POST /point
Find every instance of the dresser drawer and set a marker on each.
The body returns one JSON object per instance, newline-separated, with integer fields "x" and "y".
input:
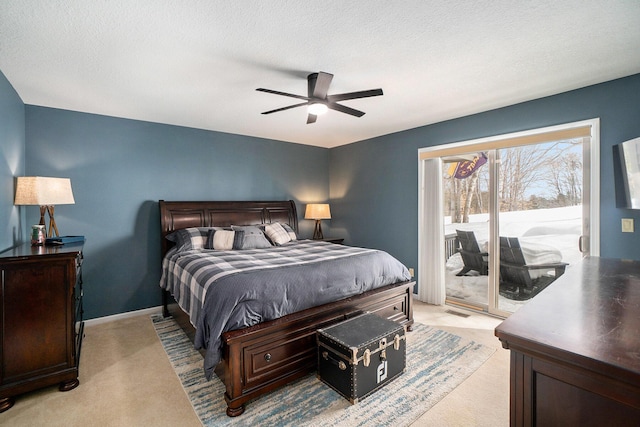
{"x": 279, "y": 358}
{"x": 395, "y": 308}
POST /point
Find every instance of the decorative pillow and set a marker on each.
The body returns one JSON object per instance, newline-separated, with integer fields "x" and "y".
{"x": 253, "y": 237}
{"x": 276, "y": 233}
{"x": 190, "y": 238}
{"x": 224, "y": 240}
{"x": 289, "y": 230}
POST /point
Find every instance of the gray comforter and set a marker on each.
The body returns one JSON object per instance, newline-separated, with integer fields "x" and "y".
{"x": 228, "y": 290}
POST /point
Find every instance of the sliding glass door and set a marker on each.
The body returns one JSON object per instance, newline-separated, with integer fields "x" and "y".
{"x": 515, "y": 212}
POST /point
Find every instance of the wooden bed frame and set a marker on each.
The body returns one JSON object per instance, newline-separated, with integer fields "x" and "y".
{"x": 260, "y": 358}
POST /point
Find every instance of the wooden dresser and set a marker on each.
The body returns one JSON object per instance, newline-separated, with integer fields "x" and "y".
{"x": 41, "y": 319}
{"x": 575, "y": 349}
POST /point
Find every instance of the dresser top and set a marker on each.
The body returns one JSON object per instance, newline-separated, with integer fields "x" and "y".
{"x": 590, "y": 316}
{"x": 27, "y": 250}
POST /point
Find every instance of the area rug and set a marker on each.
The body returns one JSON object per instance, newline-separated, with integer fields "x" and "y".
{"x": 437, "y": 362}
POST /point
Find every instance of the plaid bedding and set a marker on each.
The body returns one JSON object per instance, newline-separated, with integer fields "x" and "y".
{"x": 227, "y": 290}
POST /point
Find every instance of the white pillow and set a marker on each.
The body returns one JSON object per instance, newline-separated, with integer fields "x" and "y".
{"x": 276, "y": 233}
{"x": 223, "y": 240}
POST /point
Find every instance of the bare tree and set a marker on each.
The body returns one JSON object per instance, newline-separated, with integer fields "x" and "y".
{"x": 522, "y": 167}
{"x": 470, "y": 191}
{"x": 565, "y": 177}
{"x": 463, "y": 196}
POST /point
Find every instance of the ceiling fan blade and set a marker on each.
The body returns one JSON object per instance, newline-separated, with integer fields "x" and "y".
{"x": 275, "y": 92}
{"x": 286, "y": 108}
{"x": 346, "y": 110}
{"x": 321, "y": 85}
{"x": 317, "y": 89}
{"x": 354, "y": 95}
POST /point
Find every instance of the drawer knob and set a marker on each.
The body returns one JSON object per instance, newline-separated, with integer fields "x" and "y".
{"x": 267, "y": 357}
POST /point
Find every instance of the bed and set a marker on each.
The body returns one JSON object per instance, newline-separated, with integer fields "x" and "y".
{"x": 260, "y": 357}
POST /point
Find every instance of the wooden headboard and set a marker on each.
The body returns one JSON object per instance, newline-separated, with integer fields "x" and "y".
{"x": 177, "y": 215}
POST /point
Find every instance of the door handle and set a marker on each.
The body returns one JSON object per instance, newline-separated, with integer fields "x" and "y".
{"x": 583, "y": 244}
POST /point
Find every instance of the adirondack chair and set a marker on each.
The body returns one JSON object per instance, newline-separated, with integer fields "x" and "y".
{"x": 471, "y": 256}
{"x": 515, "y": 274}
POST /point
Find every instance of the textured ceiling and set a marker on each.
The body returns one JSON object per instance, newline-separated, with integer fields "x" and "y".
{"x": 198, "y": 63}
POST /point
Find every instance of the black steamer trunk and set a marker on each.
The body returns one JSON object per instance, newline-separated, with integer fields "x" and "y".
{"x": 360, "y": 355}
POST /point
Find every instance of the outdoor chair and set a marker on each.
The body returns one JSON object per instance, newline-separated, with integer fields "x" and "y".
{"x": 471, "y": 256}
{"x": 515, "y": 274}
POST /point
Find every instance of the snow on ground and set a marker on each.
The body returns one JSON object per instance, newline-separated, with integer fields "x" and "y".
{"x": 546, "y": 235}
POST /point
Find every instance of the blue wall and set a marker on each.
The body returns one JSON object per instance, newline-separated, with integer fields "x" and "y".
{"x": 374, "y": 183}
{"x": 120, "y": 168}
{"x": 12, "y": 148}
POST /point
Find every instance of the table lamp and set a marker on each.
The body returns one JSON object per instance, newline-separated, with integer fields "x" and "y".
{"x": 45, "y": 192}
{"x": 317, "y": 211}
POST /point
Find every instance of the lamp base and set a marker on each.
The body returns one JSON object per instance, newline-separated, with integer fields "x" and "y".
{"x": 53, "y": 228}
{"x": 317, "y": 232}
{"x": 52, "y": 222}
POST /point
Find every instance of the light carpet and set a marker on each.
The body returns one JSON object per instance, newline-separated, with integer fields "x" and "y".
{"x": 437, "y": 362}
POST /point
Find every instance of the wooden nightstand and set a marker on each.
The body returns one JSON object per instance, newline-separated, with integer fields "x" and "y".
{"x": 332, "y": 240}
{"x": 41, "y": 312}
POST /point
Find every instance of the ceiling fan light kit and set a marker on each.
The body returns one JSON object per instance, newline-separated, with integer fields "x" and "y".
{"x": 318, "y": 101}
{"x": 317, "y": 108}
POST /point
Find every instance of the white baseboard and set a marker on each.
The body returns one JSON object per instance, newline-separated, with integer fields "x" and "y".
{"x": 106, "y": 319}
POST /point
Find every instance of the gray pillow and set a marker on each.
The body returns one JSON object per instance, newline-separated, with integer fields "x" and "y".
{"x": 289, "y": 230}
{"x": 224, "y": 239}
{"x": 190, "y": 238}
{"x": 253, "y": 237}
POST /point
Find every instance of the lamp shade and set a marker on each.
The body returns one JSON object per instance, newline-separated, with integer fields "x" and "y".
{"x": 43, "y": 191}
{"x": 317, "y": 211}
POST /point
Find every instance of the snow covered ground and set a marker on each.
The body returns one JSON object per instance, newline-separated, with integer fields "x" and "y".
{"x": 546, "y": 235}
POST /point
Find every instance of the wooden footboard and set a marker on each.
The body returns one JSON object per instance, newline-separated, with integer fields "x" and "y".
{"x": 261, "y": 358}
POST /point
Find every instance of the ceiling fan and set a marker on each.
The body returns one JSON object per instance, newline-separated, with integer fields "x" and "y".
{"x": 319, "y": 101}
